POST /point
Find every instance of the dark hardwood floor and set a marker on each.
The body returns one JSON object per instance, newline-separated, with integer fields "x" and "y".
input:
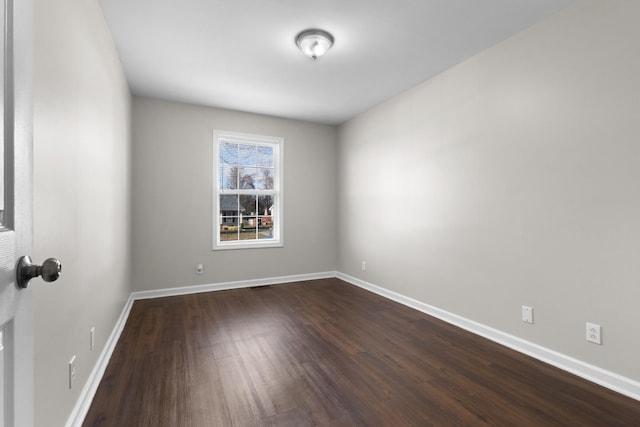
{"x": 326, "y": 353}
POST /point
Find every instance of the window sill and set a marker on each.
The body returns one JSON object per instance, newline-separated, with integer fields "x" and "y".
{"x": 244, "y": 245}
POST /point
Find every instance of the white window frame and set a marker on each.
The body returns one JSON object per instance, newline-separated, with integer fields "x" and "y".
{"x": 278, "y": 144}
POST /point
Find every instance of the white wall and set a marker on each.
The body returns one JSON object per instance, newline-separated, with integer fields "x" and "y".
{"x": 173, "y": 184}
{"x": 81, "y": 195}
{"x": 511, "y": 179}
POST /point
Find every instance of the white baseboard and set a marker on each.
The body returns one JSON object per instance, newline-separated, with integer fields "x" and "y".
{"x": 608, "y": 379}
{"x": 611, "y": 380}
{"x": 186, "y": 290}
{"x": 91, "y": 386}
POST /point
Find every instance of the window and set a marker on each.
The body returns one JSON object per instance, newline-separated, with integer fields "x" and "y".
{"x": 247, "y": 191}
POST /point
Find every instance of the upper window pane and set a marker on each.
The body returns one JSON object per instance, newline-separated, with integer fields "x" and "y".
{"x": 228, "y": 177}
{"x": 264, "y": 179}
{"x": 247, "y": 178}
{"x": 265, "y": 156}
{"x": 228, "y": 153}
{"x": 247, "y": 155}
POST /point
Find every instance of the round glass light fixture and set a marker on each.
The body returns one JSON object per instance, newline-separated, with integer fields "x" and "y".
{"x": 314, "y": 43}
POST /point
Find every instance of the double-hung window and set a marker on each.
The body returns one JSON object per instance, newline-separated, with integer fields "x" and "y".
{"x": 247, "y": 191}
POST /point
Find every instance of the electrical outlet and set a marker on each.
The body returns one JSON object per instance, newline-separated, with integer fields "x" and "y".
{"x": 364, "y": 265}
{"x": 594, "y": 333}
{"x": 72, "y": 371}
{"x": 92, "y": 338}
{"x": 527, "y": 314}
{"x": 199, "y": 269}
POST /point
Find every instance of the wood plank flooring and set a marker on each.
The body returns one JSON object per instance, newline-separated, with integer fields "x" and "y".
{"x": 325, "y": 353}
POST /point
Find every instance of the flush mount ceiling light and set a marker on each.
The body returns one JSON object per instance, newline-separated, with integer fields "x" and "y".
{"x": 314, "y": 43}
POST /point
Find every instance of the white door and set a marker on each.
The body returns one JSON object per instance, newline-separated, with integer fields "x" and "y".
{"x": 16, "y": 356}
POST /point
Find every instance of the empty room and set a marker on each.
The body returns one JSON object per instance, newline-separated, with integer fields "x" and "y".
{"x": 293, "y": 213}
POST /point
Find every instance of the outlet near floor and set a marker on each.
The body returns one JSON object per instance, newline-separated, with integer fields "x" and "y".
{"x": 594, "y": 333}
{"x": 527, "y": 314}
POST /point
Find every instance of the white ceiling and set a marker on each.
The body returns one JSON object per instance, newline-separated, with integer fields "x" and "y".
{"x": 241, "y": 54}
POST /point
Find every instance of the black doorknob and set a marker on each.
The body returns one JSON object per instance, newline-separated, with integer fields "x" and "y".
{"x": 49, "y": 270}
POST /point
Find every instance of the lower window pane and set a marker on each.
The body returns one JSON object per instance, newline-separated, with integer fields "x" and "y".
{"x": 248, "y": 228}
{"x": 265, "y": 229}
{"x": 229, "y": 228}
{"x": 246, "y": 217}
{"x": 265, "y": 205}
{"x": 248, "y": 205}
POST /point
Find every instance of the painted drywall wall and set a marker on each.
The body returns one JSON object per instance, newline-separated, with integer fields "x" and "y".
{"x": 81, "y": 195}
{"x": 511, "y": 179}
{"x": 173, "y": 185}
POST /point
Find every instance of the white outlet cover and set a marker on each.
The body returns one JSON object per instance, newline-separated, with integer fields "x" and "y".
{"x": 527, "y": 314}
{"x": 594, "y": 333}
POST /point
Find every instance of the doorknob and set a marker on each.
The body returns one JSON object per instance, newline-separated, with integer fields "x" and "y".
{"x": 49, "y": 270}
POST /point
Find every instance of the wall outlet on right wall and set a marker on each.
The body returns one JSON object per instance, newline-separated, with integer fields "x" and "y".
{"x": 594, "y": 333}
{"x": 527, "y": 314}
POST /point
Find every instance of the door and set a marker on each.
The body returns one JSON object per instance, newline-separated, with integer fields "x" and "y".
{"x": 16, "y": 354}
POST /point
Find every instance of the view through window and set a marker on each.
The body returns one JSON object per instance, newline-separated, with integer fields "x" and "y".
{"x": 248, "y": 198}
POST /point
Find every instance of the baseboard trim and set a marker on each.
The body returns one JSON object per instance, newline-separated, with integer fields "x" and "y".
{"x": 196, "y": 289}
{"x": 91, "y": 386}
{"x": 608, "y": 379}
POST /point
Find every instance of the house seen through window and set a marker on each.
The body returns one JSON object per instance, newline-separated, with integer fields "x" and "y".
{"x": 248, "y": 198}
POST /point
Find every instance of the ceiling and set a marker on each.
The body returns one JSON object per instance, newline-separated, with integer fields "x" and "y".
{"x": 241, "y": 54}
